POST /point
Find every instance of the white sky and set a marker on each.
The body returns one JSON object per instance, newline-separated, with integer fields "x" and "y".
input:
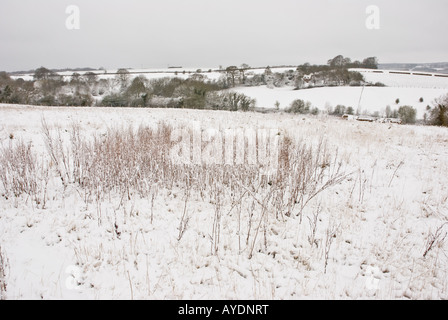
{"x": 209, "y": 33}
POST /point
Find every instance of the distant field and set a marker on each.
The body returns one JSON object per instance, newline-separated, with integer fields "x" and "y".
{"x": 368, "y": 99}
{"x": 411, "y": 79}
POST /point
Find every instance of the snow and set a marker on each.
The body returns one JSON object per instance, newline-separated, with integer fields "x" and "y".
{"x": 396, "y": 78}
{"x": 384, "y": 213}
{"x": 366, "y": 100}
{"x": 149, "y": 73}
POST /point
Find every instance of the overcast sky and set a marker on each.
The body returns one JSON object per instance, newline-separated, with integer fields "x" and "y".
{"x": 209, "y": 33}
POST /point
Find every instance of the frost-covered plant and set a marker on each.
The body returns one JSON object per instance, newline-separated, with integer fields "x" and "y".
{"x": 19, "y": 171}
{"x": 435, "y": 239}
{"x": 3, "y": 268}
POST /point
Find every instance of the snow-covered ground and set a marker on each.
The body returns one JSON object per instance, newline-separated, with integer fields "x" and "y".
{"x": 367, "y": 100}
{"x": 407, "y": 88}
{"x": 410, "y": 79}
{"x": 370, "y": 231}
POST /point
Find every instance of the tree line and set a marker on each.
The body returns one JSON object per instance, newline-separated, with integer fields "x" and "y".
{"x": 335, "y": 73}
{"x": 49, "y": 88}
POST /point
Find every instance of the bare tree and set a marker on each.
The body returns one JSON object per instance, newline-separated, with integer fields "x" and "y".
{"x": 137, "y": 88}
{"x": 122, "y": 78}
{"x": 43, "y": 73}
{"x": 90, "y": 78}
{"x": 232, "y": 74}
{"x": 243, "y": 68}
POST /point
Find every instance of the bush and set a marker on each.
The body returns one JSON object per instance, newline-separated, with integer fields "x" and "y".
{"x": 5, "y": 94}
{"x": 314, "y": 111}
{"x": 20, "y": 172}
{"x": 79, "y": 100}
{"x": 350, "y": 110}
{"x": 47, "y": 100}
{"x": 115, "y": 100}
{"x": 339, "y": 110}
{"x": 231, "y": 101}
{"x": 407, "y": 114}
{"x": 299, "y": 106}
{"x": 438, "y": 115}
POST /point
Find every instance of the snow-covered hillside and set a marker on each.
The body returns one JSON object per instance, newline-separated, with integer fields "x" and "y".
{"x": 409, "y": 89}
{"x": 366, "y": 100}
{"x": 397, "y": 78}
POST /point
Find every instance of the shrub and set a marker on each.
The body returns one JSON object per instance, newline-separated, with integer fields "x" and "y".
{"x": 339, "y": 110}
{"x": 20, "y": 172}
{"x": 115, "y": 100}
{"x": 315, "y": 111}
{"x": 299, "y": 106}
{"x": 438, "y": 116}
{"x": 231, "y": 101}
{"x": 5, "y": 94}
{"x": 82, "y": 100}
{"x": 48, "y": 100}
{"x": 407, "y": 114}
{"x": 350, "y": 110}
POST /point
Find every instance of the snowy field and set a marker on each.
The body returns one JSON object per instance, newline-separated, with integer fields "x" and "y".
{"x": 377, "y": 233}
{"x": 395, "y": 78}
{"x": 408, "y": 89}
{"x": 366, "y": 100}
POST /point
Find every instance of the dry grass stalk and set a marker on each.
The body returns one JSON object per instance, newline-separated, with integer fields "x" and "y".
{"x": 435, "y": 239}
{"x": 124, "y": 163}
{"x": 22, "y": 174}
{"x": 3, "y": 274}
